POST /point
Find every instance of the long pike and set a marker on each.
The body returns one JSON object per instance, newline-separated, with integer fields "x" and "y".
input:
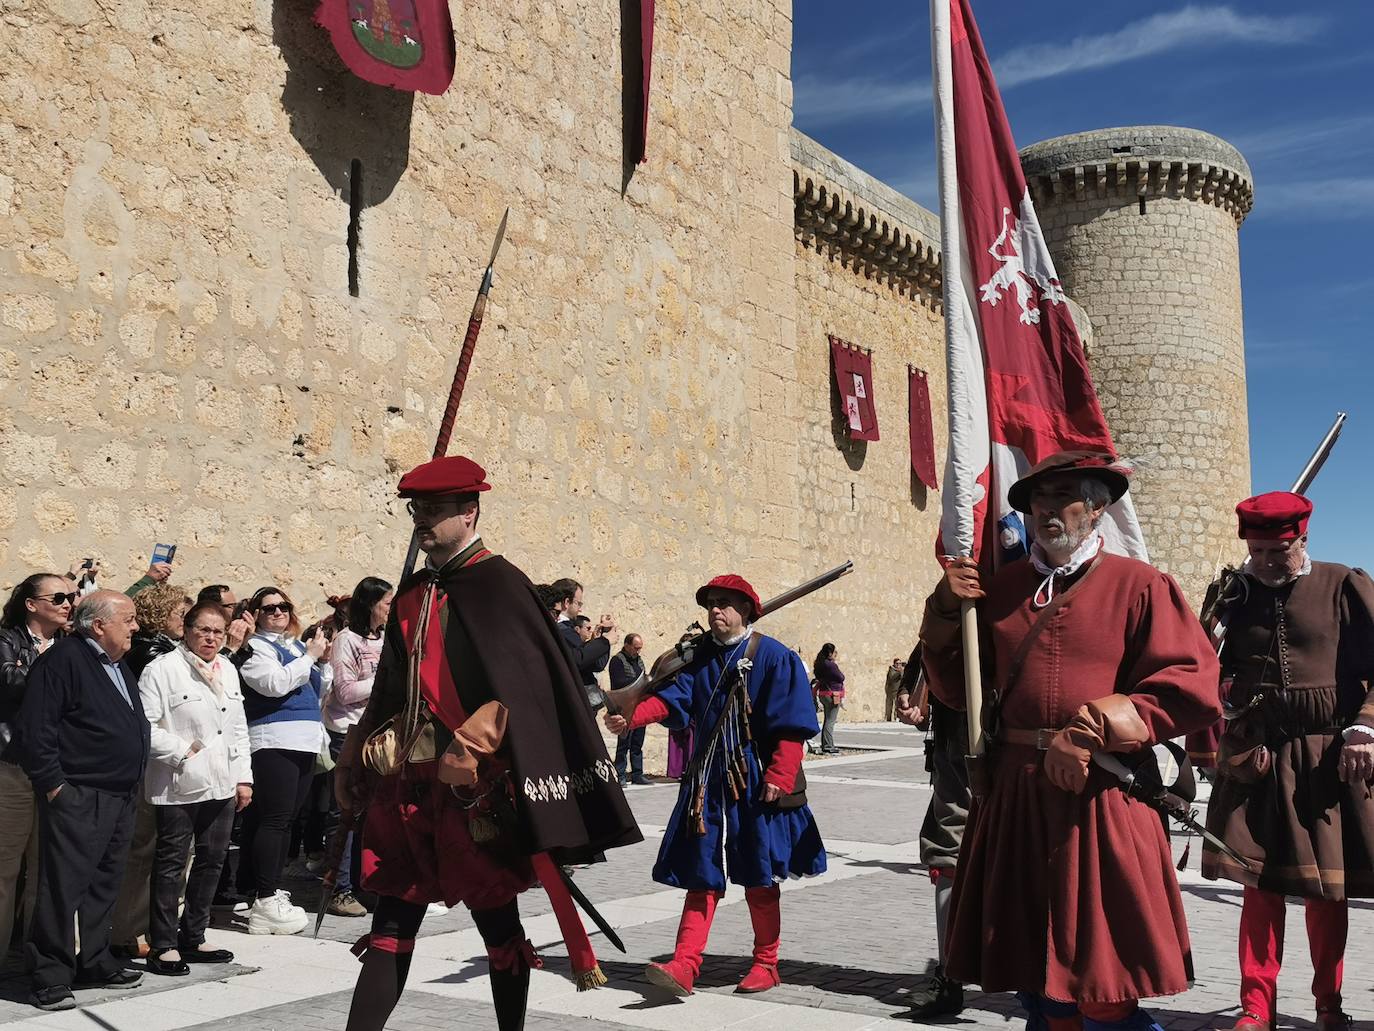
{"x": 348, "y": 822}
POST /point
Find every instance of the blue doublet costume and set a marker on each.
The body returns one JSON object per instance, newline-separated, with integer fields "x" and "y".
{"x": 752, "y": 842}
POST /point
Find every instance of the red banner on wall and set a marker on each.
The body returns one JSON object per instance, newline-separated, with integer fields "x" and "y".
{"x": 921, "y": 429}
{"x": 646, "y": 57}
{"x": 854, "y": 380}
{"x": 404, "y": 44}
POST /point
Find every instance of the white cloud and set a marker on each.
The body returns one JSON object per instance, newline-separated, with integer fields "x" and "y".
{"x": 821, "y": 100}
{"x": 1354, "y": 134}
{"x": 1191, "y": 27}
{"x": 1338, "y": 198}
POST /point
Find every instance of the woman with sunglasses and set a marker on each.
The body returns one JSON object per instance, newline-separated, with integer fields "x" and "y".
{"x": 284, "y": 680}
{"x": 33, "y": 618}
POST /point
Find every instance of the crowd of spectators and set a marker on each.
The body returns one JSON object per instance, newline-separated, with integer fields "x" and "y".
{"x": 111, "y": 849}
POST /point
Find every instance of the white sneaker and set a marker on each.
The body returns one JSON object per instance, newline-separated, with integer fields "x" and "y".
{"x": 276, "y": 915}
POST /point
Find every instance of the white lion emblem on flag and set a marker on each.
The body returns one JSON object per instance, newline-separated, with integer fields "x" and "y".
{"x": 1025, "y": 264}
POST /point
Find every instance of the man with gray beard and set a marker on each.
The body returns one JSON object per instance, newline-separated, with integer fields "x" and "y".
{"x": 1296, "y": 761}
{"x": 1066, "y": 892}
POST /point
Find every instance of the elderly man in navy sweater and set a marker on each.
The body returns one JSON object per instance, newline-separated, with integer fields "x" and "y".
{"x": 84, "y": 744}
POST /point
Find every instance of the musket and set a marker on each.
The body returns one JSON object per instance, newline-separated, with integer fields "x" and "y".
{"x": 460, "y": 377}
{"x": 671, "y": 662}
{"x": 348, "y": 821}
{"x": 1162, "y": 800}
{"x": 1300, "y": 486}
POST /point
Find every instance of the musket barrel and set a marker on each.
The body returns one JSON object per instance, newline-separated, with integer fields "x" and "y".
{"x": 1319, "y": 457}
{"x": 802, "y": 590}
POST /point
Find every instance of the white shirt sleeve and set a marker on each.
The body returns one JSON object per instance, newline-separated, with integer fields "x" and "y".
{"x": 265, "y": 674}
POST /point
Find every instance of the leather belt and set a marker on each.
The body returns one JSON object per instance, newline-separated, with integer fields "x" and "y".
{"x": 1039, "y": 739}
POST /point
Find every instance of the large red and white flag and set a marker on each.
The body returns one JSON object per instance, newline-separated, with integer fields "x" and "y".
{"x": 1019, "y": 387}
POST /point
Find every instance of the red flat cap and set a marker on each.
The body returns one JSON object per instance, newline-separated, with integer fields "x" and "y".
{"x": 444, "y": 477}
{"x": 1098, "y": 464}
{"x": 738, "y": 584}
{"x": 1276, "y": 516}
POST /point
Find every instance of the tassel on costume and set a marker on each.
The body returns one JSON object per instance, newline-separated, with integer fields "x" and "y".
{"x": 587, "y": 980}
{"x": 1183, "y": 859}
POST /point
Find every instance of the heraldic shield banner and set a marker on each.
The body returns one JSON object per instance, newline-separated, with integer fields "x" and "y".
{"x": 404, "y": 44}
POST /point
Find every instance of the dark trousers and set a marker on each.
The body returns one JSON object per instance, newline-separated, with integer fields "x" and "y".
{"x": 281, "y": 782}
{"x": 207, "y": 824}
{"x": 84, "y": 836}
{"x": 630, "y": 746}
{"x": 344, "y": 881}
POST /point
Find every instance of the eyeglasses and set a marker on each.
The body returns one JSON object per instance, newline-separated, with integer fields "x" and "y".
{"x": 429, "y": 508}
{"x": 208, "y": 631}
{"x": 272, "y": 610}
{"x": 62, "y": 599}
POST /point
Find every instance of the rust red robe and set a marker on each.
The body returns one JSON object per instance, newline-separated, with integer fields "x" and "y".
{"x": 1073, "y": 896}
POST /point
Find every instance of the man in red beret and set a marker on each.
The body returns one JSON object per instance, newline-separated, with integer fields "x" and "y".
{"x": 1066, "y": 892}
{"x": 484, "y": 766}
{"x": 1296, "y": 760}
{"x": 741, "y": 814}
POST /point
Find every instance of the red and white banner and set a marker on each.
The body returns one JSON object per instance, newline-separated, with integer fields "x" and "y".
{"x": 854, "y": 381}
{"x": 1019, "y": 387}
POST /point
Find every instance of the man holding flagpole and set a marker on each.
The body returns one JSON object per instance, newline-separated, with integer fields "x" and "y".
{"x": 1066, "y": 893}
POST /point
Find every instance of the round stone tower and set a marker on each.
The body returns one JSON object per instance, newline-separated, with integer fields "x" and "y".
{"x": 1142, "y": 223}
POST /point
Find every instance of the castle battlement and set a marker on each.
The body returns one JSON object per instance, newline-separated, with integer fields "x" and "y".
{"x": 886, "y": 235}
{"x": 1141, "y": 162}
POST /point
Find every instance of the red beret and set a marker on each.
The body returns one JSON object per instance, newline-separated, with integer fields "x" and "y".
{"x": 443, "y": 477}
{"x": 736, "y": 583}
{"x": 1098, "y": 464}
{"x": 1276, "y": 516}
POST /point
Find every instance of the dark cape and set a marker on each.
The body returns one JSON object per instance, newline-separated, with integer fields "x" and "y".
{"x": 501, "y": 644}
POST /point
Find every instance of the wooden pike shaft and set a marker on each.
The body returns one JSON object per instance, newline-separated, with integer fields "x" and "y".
{"x": 973, "y": 677}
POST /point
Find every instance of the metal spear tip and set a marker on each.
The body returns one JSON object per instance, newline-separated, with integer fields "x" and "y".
{"x": 500, "y": 236}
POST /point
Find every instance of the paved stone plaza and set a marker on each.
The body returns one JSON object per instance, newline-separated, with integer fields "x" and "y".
{"x": 853, "y": 941}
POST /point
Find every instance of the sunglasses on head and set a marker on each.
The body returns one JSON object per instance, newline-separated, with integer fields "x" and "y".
{"x": 274, "y": 608}
{"x": 62, "y": 599}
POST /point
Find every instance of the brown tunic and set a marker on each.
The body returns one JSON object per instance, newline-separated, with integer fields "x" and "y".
{"x": 1073, "y": 896}
{"x": 1308, "y": 648}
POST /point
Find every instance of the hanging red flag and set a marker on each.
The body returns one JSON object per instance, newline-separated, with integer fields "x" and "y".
{"x": 404, "y": 44}
{"x": 921, "y": 430}
{"x": 646, "y": 52}
{"x": 854, "y": 379}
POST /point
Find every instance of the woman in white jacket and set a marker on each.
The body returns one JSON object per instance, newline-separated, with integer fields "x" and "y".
{"x": 199, "y": 774}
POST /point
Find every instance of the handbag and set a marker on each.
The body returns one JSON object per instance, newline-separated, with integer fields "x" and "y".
{"x": 409, "y": 735}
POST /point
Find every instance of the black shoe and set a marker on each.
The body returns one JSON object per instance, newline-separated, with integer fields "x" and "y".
{"x": 194, "y": 955}
{"x": 936, "y": 997}
{"x": 168, "y": 967}
{"x": 121, "y": 978}
{"x": 641, "y": 780}
{"x": 624, "y": 781}
{"x": 54, "y": 997}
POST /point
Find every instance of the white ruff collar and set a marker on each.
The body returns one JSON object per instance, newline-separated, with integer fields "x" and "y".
{"x": 1083, "y": 554}
{"x": 745, "y": 632}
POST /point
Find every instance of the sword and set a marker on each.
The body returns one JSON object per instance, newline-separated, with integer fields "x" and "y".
{"x": 586, "y": 906}
{"x": 334, "y": 852}
{"x": 1161, "y": 800}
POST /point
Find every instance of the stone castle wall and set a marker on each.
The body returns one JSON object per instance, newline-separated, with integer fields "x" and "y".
{"x": 1142, "y": 224}
{"x": 868, "y": 272}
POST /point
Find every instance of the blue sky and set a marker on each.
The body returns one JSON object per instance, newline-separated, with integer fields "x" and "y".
{"x": 1291, "y": 90}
